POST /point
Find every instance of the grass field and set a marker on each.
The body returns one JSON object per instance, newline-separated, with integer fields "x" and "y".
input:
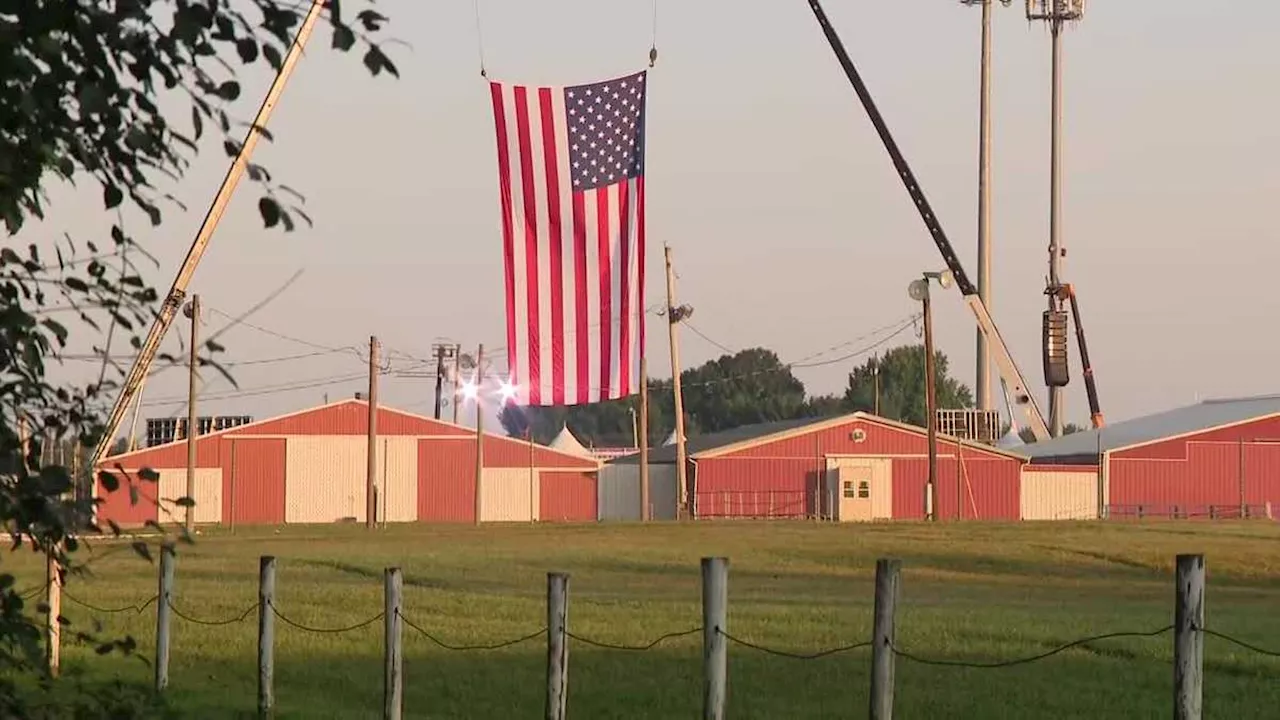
{"x": 977, "y": 592}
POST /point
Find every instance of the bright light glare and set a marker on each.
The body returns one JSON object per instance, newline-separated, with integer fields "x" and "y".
{"x": 508, "y": 390}
{"x": 469, "y": 390}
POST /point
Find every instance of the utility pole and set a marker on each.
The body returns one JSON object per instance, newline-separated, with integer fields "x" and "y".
{"x": 479, "y": 431}
{"x": 193, "y": 429}
{"x": 439, "y": 377}
{"x": 674, "y": 316}
{"x": 1057, "y": 13}
{"x": 931, "y": 408}
{"x": 919, "y": 290}
{"x": 457, "y": 370}
{"x": 982, "y": 386}
{"x": 642, "y": 438}
{"x": 371, "y": 476}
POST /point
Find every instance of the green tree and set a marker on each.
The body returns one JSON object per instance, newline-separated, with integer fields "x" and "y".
{"x": 902, "y": 385}
{"x": 748, "y": 387}
{"x": 92, "y": 94}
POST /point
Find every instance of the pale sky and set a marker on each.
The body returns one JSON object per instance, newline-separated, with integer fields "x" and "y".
{"x": 789, "y": 225}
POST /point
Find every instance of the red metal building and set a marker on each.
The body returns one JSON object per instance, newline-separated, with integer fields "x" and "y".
{"x": 311, "y": 467}
{"x": 1218, "y": 458}
{"x": 853, "y": 467}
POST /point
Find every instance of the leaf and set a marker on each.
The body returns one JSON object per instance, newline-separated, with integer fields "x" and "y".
{"x": 148, "y": 474}
{"x": 371, "y": 20}
{"x": 231, "y": 147}
{"x": 272, "y": 55}
{"x": 270, "y": 211}
{"x": 197, "y": 121}
{"x": 76, "y": 284}
{"x": 214, "y": 347}
{"x": 142, "y": 550}
{"x": 248, "y": 49}
{"x": 185, "y": 502}
{"x": 229, "y": 90}
{"x": 56, "y": 328}
{"x": 377, "y": 61}
{"x": 111, "y": 196}
{"x": 343, "y": 37}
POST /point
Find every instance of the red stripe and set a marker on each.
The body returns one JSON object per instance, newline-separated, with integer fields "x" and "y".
{"x": 624, "y": 267}
{"x": 530, "y": 241}
{"x": 640, "y": 256}
{"x": 555, "y": 235}
{"x": 508, "y": 248}
{"x": 606, "y": 292}
{"x": 580, "y": 338}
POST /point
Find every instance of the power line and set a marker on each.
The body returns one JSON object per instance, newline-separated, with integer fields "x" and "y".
{"x": 264, "y": 389}
{"x": 703, "y": 335}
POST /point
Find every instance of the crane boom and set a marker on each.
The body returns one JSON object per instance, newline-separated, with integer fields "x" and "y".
{"x": 1067, "y": 291}
{"x": 178, "y": 291}
{"x": 1009, "y": 371}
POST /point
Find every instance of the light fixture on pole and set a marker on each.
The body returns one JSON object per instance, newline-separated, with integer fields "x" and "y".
{"x": 919, "y": 291}
{"x": 1057, "y": 13}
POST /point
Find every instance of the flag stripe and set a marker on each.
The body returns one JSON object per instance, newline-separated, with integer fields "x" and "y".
{"x": 581, "y": 298}
{"x": 504, "y": 188}
{"x": 606, "y": 288}
{"x": 554, "y": 240}
{"x": 530, "y": 242}
{"x": 624, "y": 290}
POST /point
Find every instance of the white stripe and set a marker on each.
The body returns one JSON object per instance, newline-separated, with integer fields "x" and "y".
{"x": 593, "y": 295}
{"x": 521, "y": 368}
{"x": 567, "y": 265}
{"x": 637, "y": 310}
{"x": 614, "y": 330}
{"x": 543, "y": 226}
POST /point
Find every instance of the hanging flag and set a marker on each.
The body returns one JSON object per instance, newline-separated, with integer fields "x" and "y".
{"x": 571, "y": 178}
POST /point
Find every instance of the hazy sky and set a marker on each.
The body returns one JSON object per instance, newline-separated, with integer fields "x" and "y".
{"x": 789, "y": 225}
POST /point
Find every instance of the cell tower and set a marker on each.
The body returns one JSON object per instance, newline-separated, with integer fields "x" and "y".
{"x": 1057, "y": 13}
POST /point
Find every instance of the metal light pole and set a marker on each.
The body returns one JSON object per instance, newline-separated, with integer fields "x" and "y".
{"x": 919, "y": 290}
{"x": 1057, "y": 13}
{"x": 982, "y": 385}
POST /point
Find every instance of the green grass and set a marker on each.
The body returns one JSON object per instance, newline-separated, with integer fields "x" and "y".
{"x": 977, "y": 592}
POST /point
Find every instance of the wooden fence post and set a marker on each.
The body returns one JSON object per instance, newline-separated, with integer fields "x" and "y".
{"x": 1188, "y": 641}
{"x": 715, "y": 647}
{"x": 266, "y": 634}
{"x": 557, "y": 645}
{"x": 164, "y": 615}
{"x": 882, "y": 639}
{"x": 393, "y": 672}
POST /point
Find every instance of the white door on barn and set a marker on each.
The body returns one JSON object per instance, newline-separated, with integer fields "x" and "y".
{"x": 861, "y": 488}
{"x": 509, "y": 495}
{"x": 208, "y": 495}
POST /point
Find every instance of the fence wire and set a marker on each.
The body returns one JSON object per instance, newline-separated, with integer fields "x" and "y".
{"x": 213, "y": 623}
{"x": 1034, "y": 658}
{"x": 1240, "y": 643}
{"x": 324, "y": 631}
{"x": 135, "y": 607}
{"x": 633, "y": 648}
{"x": 791, "y": 654}
{"x": 463, "y": 648}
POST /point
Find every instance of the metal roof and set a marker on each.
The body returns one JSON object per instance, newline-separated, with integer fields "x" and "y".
{"x": 724, "y": 438}
{"x": 1202, "y": 416}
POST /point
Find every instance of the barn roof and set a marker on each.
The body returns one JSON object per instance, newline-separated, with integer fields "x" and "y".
{"x": 770, "y": 431}
{"x": 1187, "y": 420}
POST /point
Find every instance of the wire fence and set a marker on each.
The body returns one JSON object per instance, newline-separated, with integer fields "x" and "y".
{"x": 1189, "y": 630}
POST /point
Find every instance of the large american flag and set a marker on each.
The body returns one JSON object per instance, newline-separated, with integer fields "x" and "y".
{"x": 571, "y": 175}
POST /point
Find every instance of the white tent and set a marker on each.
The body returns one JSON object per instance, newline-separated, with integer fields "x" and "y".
{"x": 671, "y": 439}
{"x": 567, "y": 442}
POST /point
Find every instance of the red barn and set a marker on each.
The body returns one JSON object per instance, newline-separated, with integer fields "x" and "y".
{"x": 1218, "y": 458}
{"x": 853, "y": 467}
{"x": 311, "y": 467}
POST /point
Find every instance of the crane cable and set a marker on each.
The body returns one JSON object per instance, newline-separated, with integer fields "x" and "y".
{"x": 653, "y": 37}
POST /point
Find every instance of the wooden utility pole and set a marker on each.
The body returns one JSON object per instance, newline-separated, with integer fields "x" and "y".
{"x": 674, "y": 317}
{"x": 193, "y": 431}
{"x": 439, "y": 377}
{"x": 479, "y": 432}
{"x": 642, "y": 440}
{"x": 457, "y": 370}
{"x": 931, "y": 407}
{"x": 371, "y": 476}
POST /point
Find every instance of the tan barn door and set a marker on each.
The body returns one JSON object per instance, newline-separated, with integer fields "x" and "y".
{"x": 854, "y": 493}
